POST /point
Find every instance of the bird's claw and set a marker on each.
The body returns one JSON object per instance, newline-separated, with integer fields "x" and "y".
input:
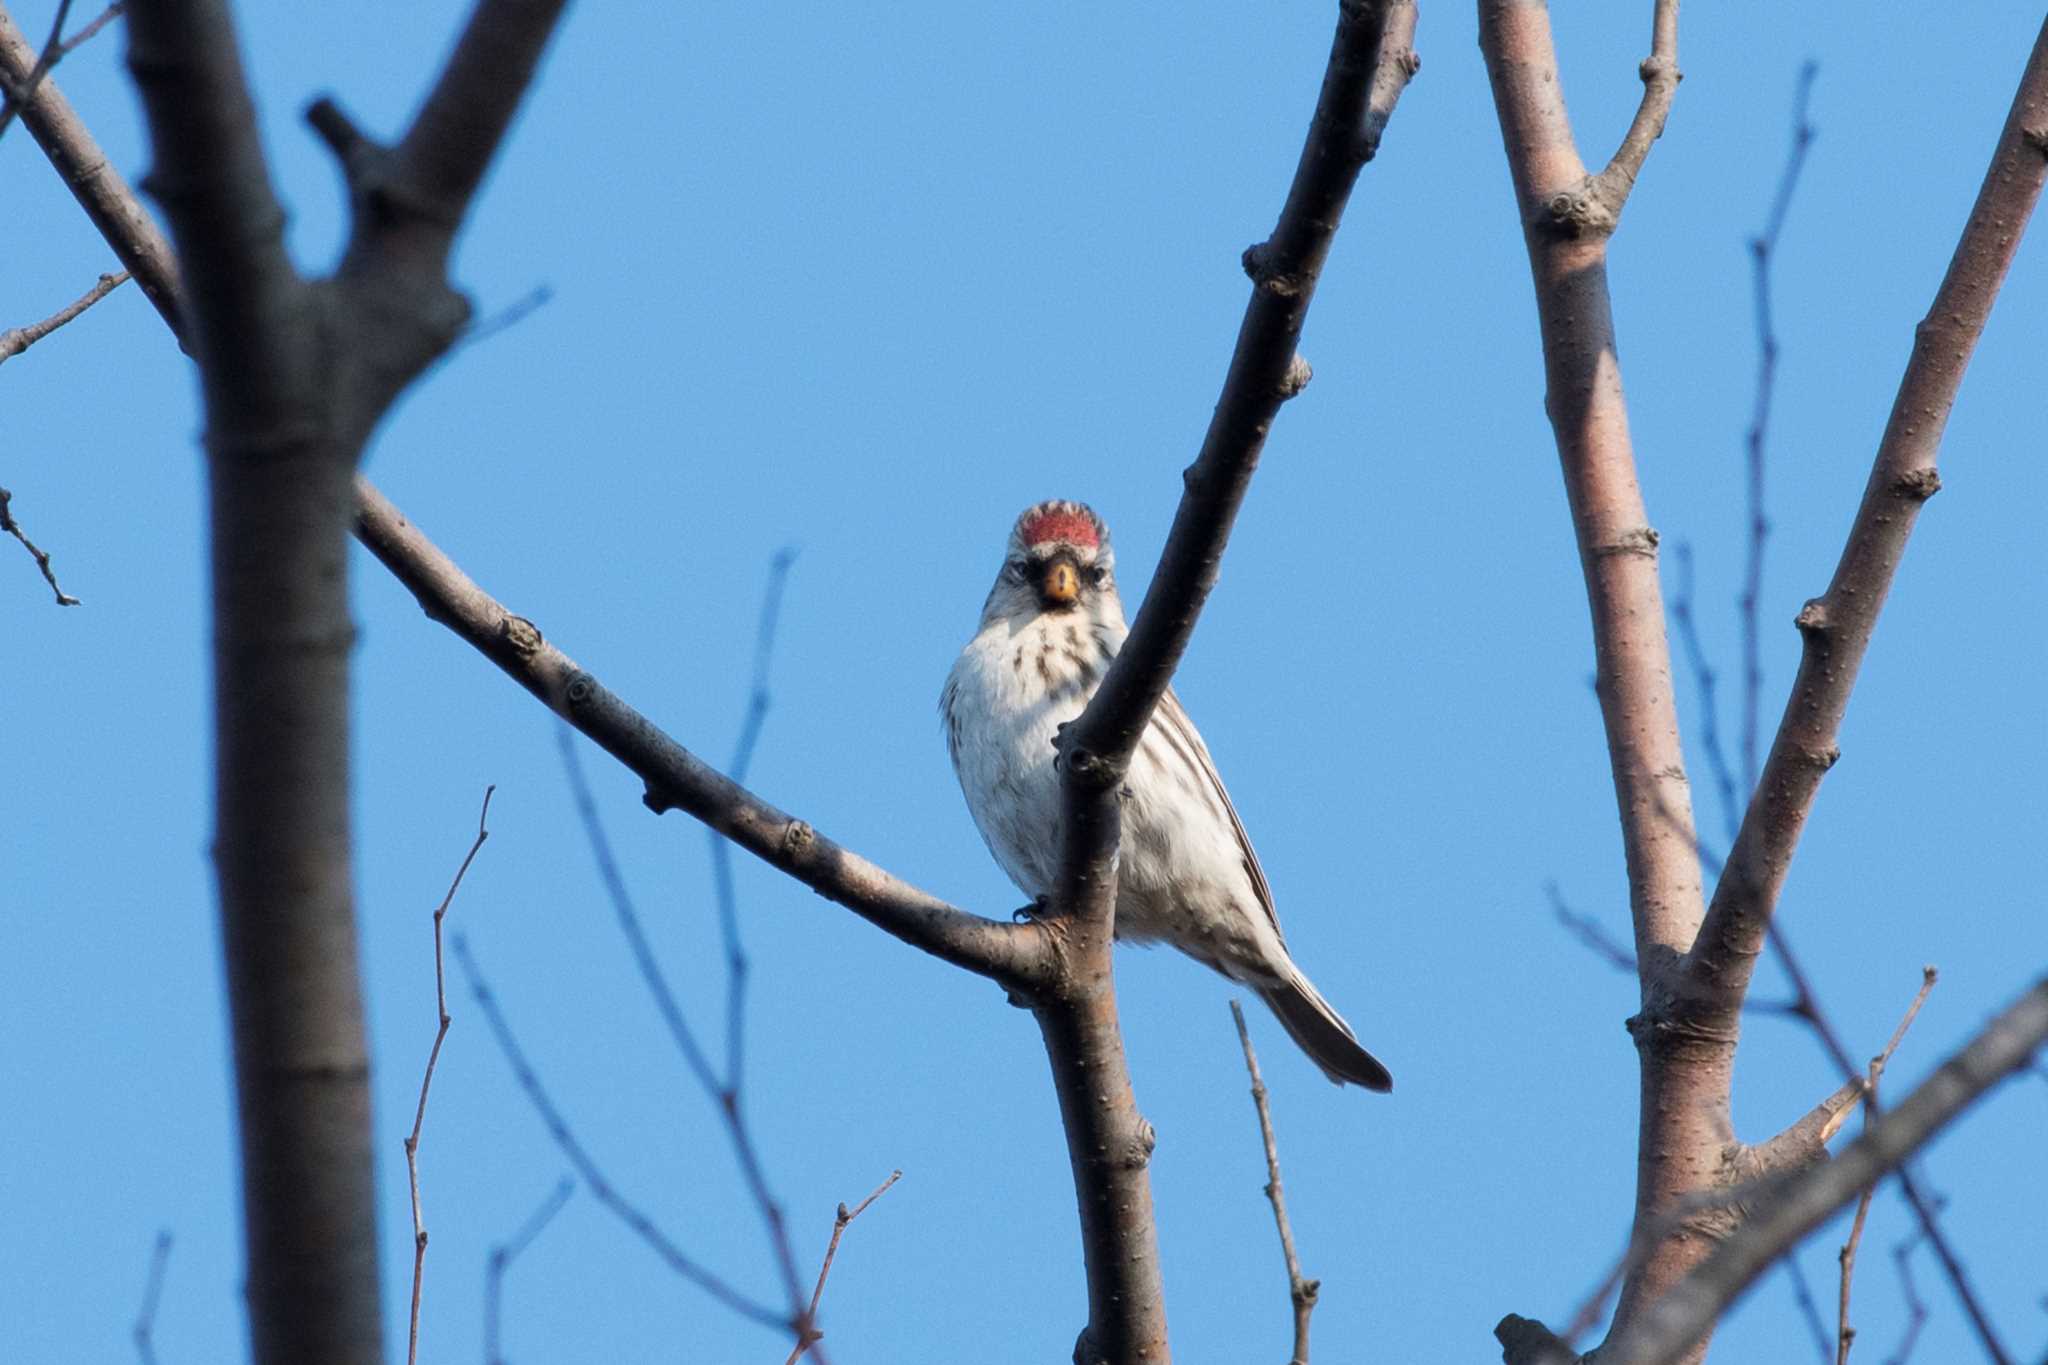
{"x": 1029, "y": 913}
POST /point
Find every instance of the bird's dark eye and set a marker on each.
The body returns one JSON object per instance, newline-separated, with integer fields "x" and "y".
{"x": 1014, "y": 571}
{"x": 1098, "y": 576}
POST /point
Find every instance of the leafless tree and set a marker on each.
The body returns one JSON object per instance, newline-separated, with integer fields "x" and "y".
{"x": 298, "y": 372}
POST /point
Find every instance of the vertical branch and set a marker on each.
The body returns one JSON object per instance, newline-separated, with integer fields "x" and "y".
{"x": 1301, "y": 1291}
{"x": 1568, "y": 218}
{"x": 505, "y": 1253}
{"x": 1762, "y": 248}
{"x": 758, "y": 699}
{"x": 1844, "y": 1333}
{"x": 294, "y": 376}
{"x": 144, "y": 1331}
{"x": 419, "y": 1114}
{"x": 279, "y": 497}
{"x": 840, "y": 1222}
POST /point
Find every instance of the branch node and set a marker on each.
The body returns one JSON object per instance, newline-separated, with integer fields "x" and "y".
{"x": 2037, "y": 138}
{"x": 1091, "y": 769}
{"x": 1918, "y": 484}
{"x": 1296, "y": 379}
{"x": 1525, "y": 1341}
{"x": 1582, "y": 211}
{"x": 339, "y": 132}
{"x": 1637, "y": 540}
{"x": 1265, "y": 272}
{"x": 797, "y": 839}
{"x": 522, "y": 635}
{"x": 1812, "y": 618}
{"x": 580, "y": 690}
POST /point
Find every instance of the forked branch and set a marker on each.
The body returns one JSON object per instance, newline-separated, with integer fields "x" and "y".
{"x": 1668, "y": 1328}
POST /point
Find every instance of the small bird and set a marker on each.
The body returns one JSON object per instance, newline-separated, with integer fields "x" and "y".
{"x": 1187, "y": 875}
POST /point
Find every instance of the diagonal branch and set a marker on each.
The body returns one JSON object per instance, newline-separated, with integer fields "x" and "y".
{"x": 1301, "y": 1291}
{"x": 1661, "y": 76}
{"x": 1371, "y": 61}
{"x": 676, "y": 778}
{"x": 100, "y": 189}
{"x": 15, "y": 340}
{"x": 1837, "y": 626}
{"x": 13, "y": 93}
{"x": 9, "y": 526}
{"x": 1668, "y": 1328}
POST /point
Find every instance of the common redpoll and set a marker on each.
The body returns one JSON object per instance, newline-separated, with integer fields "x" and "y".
{"x": 1187, "y": 874}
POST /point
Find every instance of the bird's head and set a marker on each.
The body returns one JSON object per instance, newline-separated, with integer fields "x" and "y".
{"x": 1058, "y": 560}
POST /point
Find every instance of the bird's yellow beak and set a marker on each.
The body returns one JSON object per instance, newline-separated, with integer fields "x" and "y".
{"x": 1061, "y": 584}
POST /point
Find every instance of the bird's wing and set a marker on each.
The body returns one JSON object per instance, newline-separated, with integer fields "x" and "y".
{"x": 1173, "y": 719}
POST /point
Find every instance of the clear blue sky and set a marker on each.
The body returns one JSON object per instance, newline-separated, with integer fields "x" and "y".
{"x": 866, "y": 283}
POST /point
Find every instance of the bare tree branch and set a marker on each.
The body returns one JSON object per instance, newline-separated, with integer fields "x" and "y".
{"x": 1837, "y": 626}
{"x": 144, "y": 1331}
{"x": 100, "y": 189}
{"x": 1844, "y": 1333}
{"x": 1371, "y": 60}
{"x": 295, "y": 374}
{"x": 14, "y": 94}
{"x": 587, "y": 1168}
{"x": 1667, "y": 1329}
{"x": 1660, "y": 73}
{"x": 1762, "y": 248}
{"x": 13, "y": 528}
{"x": 419, "y": 1114}
{"x": 1916, "y": 1307}
{"x": 1567, "y": 220}
{"x": 1705, "y": 680}
{"x": 15, "y": 340}
{"x": 1365, "y": 79}
{"x": 1301, "y": 1291}
{"x": 758, "y": 700}
{"x": 724, "y": 1095}
{"x": 676, "y": 778}
{"x": 840, "y": 1223}
{"x": 505, "y": 1253}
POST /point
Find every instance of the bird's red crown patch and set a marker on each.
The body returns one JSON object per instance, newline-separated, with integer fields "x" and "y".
{"x": 1059, "y": 522}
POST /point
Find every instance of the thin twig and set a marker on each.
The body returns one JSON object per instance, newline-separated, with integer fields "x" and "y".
{"x": 1301, "y": 1291}
{"x": 511, "y": 315}
{"x": 13, "y": 97}
{"x": 13, "y": 528}
{"x": 1909, "y": 1290}
{"x": 726, "y": 1098}
{"x": 1589, "y": 931}
{"x": 419, "y": 1115}
{"x": 600, "y": 1187}
{"x": 505, "y": 1253}
{"x": 86, "y": 34}
{"x": 1844, "y": 1333}
{"x": 758, "y": 700}
{"x": 1704, "y": 679}
{"x": 15, "y": 340}
{"x": 1809, "y": 1310}
{"x": 1799, "y": 1202}
{"x": 144, "y": 1332}
{"x": 840, "y": 1220}
{"x": 1761, "y": 248}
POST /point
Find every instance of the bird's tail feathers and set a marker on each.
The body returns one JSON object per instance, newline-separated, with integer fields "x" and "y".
{"x": 1322, "y": 1033}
